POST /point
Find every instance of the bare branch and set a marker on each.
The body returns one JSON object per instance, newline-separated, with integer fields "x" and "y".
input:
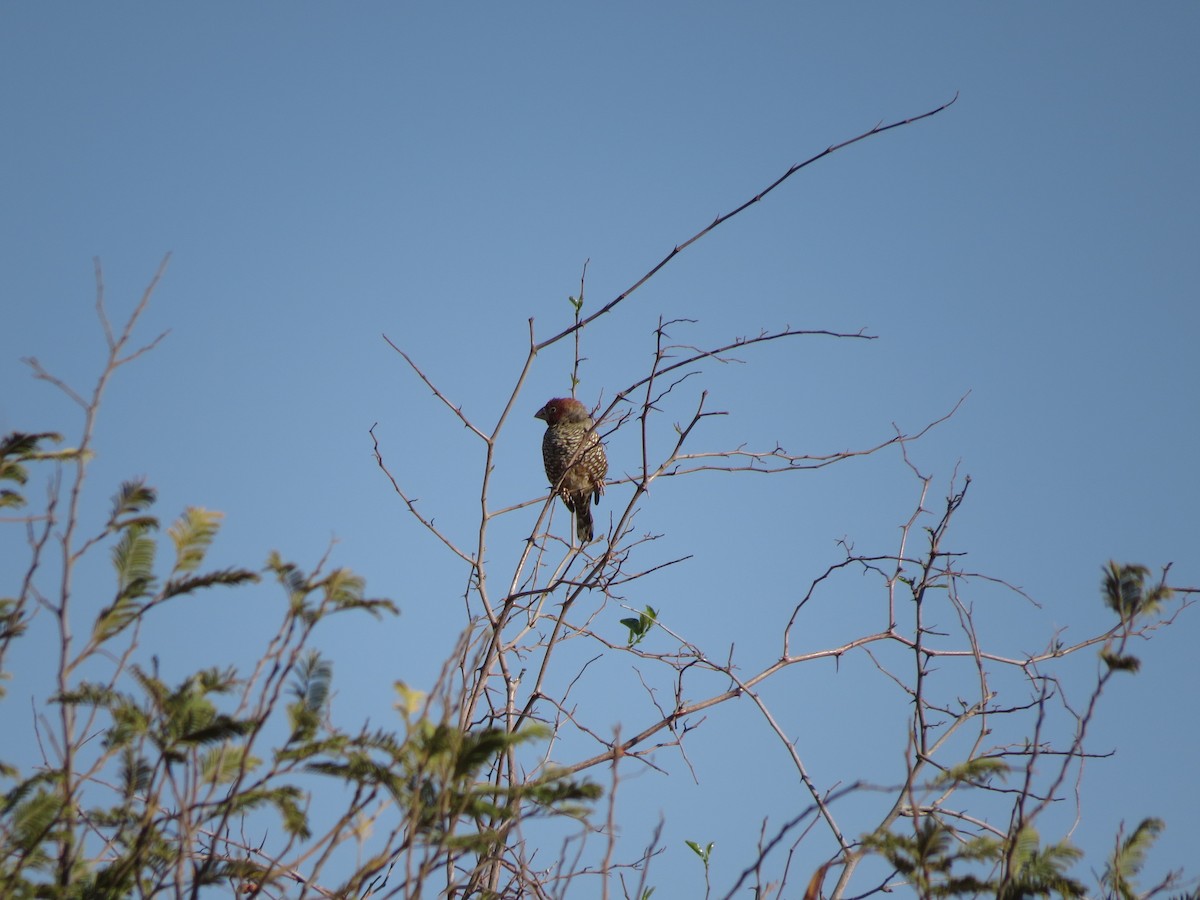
{"x": 725, "y": 217}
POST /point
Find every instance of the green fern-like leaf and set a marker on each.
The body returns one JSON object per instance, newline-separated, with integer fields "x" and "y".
{"x": 1037, "y": 871}
{"x": 221, "y": 765}
{"x": 314, "y": 676}
{"x": 15, "y": 449}
{"x": 1128, "y": 857}
{"x": 129, "y": 723}
{"x": 982, "y": 848}
{"x": 133, "y": 498}
{"x": 343, "y": 586}
{"x": 193, "y": 534}
{"x": 153, "y": 686}
{"x": 311, "y": 687}
{"x": 135, "y": 774}
{"x": 1120, "y": 663}
{"x": 22, "y": 446}
{"x": 1125, "y": 592}
{"x": 14, "y": 797}
{"x": 218, "y": 728}
{"x": 115, "y": 619}
{"x": 1025, "y": 846}
{"x": 214, "y": 680}
{"x": 90, "y": 693}
{"x": 222, "y": 577}
{"x": 286, "y": 800}
{"x": 133, "y": 559}
{"x": 12, "y": 623}
{"x": 289, "y": 575}
{"x": 32, "y": 820}
{"x": 979, "y": 770}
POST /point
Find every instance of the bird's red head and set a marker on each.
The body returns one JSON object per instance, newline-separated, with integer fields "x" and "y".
{"x": 562, "y": 409}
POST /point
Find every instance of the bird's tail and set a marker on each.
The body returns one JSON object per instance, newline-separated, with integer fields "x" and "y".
{"x": 583, "y": 522}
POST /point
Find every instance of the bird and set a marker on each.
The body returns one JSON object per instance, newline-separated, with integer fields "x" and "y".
{"x": 574, "y": 458}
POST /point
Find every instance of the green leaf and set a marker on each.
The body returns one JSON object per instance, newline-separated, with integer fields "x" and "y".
{"x": 16, "y": 448}
{"x": 135, "y": 774}
{"x": 219, "y": 728}
{"x": 980, "y": 770}
{"x": 32, "y": 821}
{"x": 221, "y": 765}
{"x": 1128, "y": 857}
{"x": 23, "y": 446}
{"x": 1125, "y": 592}
{"x": 704, "y": 853}
{"x": 410, "y": 702}
{"x": 640, "y": 627}
{"x": 133, "y": 559}
{"x": 285, "y": 799}
{"x": 1025, "y": 846}
{"x": 288, "y": 574}
{"x": 133, "y": 497}
{"x": 193, "y": 534}
{"x": 115, "y": 619}
{"x": 12, "y": 624}
{"x": 1037, "y": 871}
{"x": 1120, "y": 663}
{"x": 314, "y": 676}
{"x": 222, "y": 577}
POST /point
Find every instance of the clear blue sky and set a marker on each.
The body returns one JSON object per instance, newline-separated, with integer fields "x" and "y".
{"x": 327, "y": 173}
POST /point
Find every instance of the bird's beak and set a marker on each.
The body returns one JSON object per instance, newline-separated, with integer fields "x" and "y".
{"x": 540, "y": 414}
